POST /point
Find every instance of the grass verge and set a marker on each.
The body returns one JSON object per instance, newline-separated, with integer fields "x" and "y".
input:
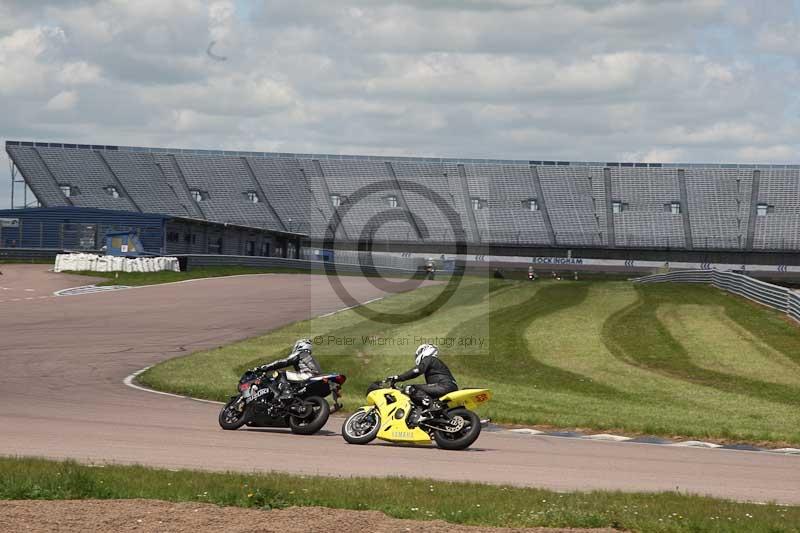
{"x": 37, "y": 261}
{"x": 462, "y": 503}
{"x": 600, "y": 355}
{"x": 135, "y": 279}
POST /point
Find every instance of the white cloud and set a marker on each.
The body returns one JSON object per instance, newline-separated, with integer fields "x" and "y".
{"x": 736, "y": 133}
{"x": 780, "y": 38}
{"x": 220, "y": 18}
{"x": 78, "y": 73}
{"x": 655, "y": 155}
{"x": 779, "y": 153}
{"x": 686, "y": 80}
{"x": 63, "y": 101}
{"x": 23, "y": 61}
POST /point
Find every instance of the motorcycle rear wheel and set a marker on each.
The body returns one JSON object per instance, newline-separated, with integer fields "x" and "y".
{"x": 355, "y": 433}
{"x": 463, "y": 438}
{"x": 230, "y": 419}
{"x": 313, "y": 422}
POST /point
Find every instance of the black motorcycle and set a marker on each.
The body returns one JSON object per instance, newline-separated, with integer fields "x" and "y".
{"x": 304, "y": 411}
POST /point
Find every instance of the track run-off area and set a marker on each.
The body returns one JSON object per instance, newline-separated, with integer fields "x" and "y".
{"x": 64, "y": 360}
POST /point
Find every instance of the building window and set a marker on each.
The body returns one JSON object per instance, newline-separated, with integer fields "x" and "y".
{"x": 68, "y": 190}
{"x": 763, "y": 209}
{"x": 198, "y": 195}
{"x": 187, "y": 238}
{"x": 173, "y": 236}
{"x": 531, "y": 204}
{"x": 617, "y": 206}
{"x": 391, "y": 201}
{"x": 478, "y": 203}
{"x": 252, "y": 197}
{"x": 336, "y": 200}
{"x": 674, "y": 208}
{"x": 113, "y": 192}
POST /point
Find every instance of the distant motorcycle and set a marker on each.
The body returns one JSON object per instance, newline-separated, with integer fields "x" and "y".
{"x": 391, "y": 416}
{"x": 305, "y": 411}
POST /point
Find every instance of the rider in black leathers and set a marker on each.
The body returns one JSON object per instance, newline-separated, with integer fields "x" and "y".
{"x": 305, "y": 367}
{"x": 438, "y": 378}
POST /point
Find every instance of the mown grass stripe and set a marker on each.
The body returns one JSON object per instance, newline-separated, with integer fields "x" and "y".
{"x": 511, "y": 356}
{"x": 638, "y": 336}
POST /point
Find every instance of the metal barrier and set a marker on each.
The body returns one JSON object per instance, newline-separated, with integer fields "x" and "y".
{"x": 774, "y": 296}
{"x": 764, "y": 293}
{"x": 682, "y": 276}
{"x": 794, "y": 305}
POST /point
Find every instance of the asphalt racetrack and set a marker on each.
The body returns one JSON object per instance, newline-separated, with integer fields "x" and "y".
{"x": 63, "y": 361}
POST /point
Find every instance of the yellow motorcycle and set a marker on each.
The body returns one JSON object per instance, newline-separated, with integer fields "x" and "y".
{"x": 391, "y": 416}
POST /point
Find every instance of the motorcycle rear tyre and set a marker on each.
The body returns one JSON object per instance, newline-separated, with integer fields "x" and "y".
{"x": 446, "y": 442}
{"x": 304, "y": 426}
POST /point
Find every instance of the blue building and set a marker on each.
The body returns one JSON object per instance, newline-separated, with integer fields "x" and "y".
{"x": 81, "y": 228}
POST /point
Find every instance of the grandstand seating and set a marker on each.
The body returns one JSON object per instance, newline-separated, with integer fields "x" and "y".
{"x": 288, "y": 192}
{"x": 145, "y": 181}
{"x": 425, "y": 184}
{"x": 40, "y": 180}
{"x": 85, "y": 171}
{"x": 168, "y": 168}
{"x": 779, "y": 193}
{"x": 572, "y": 205}
{"x": 525, "y": 203}
{"x": 508, "y": 217}
{"x": 646, "y": 196}
{"x": 719, "y": 206}
{"x": 366, "y": 189}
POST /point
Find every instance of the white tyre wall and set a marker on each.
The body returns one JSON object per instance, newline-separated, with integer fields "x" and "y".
{"x": 95, "y": 263}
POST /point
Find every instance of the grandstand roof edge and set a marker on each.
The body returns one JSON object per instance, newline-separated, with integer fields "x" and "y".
{"x": 349, "y": 157}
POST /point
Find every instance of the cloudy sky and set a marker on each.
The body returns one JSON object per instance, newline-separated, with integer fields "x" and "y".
{"x": 652, "y": 80}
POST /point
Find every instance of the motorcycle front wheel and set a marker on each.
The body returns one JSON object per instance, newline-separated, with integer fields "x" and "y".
{"x": 361, "y": 427}
{"x": 469, "y": 428}
{"x": 317, "y": 412}
{"x": 231, "y": 418}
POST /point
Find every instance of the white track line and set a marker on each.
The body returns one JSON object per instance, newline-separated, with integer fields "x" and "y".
{"x": 696, "y": 444}
{"x": 59, "y": 292}
{"x": 351, "y": 307}
{"x": 129, "y": 380}
{"x": 608, "y": 436}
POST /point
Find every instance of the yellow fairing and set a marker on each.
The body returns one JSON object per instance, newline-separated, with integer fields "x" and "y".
{"x": 394, "y": 407}
{"x": 469, "y": 398}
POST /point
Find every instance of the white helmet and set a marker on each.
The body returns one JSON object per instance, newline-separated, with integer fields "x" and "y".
{"x": 302, "y": 345}
{"x": 425, "y": 350}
